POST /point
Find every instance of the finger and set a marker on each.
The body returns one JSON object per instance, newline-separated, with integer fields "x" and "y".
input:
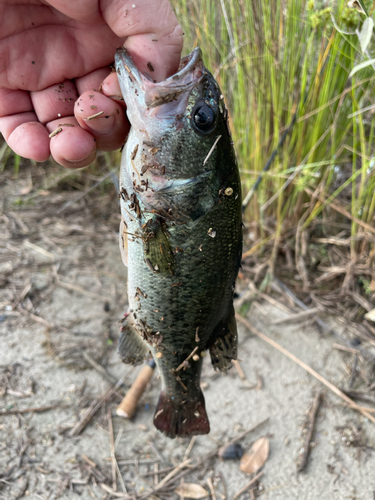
{"x": 85, "y": 11}
{"x": 103, "y": 118}
{"x": 111, "y": 88}
{"x": 14, "y": 101}
{"x": 153, "y": 33}
{"x": 71, "y": 146}
{"x": 92, "y": 80}
{"x": 54, "y": 102}
{"x": 26, "y": 136}
{"x": 40, "y": 46}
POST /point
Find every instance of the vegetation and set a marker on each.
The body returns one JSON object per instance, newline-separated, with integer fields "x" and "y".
{"x": 276, "y": 59}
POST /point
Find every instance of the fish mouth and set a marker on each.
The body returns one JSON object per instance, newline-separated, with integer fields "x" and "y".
{"x": 138, "y": 86}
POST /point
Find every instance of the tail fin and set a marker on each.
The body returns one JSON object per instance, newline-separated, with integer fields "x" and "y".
{"x": 183, "y": 419}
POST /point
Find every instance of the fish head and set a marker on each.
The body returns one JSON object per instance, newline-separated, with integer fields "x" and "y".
{"x": 180, "y": 136}
{"x": 153, "y": 106}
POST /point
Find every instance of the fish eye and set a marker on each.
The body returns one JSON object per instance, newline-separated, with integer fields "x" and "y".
{"x": 204, "y": 118}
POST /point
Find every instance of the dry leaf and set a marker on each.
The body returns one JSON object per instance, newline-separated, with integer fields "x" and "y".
{"x": 251, "y": 462}
{"x": 191, "y": 490}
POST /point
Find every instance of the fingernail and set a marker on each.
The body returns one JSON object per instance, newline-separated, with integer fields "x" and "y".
{"x": 89, "y": 158}
{"x": 100, "y": 123}
{"x": 76, "y": 161}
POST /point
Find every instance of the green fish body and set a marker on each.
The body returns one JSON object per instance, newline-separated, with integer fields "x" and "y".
{"x": 181, "y": 234}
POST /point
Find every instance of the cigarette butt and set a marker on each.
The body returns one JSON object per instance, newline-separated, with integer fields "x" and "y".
{"x": 128, "y": 405}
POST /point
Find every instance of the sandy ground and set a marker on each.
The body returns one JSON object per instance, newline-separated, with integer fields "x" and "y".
{"x": 63, "y": 291}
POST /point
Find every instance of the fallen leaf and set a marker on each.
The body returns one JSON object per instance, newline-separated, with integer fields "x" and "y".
{"x": 191, "y": 490}
{"x": 251, "y": 462}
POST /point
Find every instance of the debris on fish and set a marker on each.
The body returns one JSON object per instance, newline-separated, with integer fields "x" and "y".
{"x": 180, "y": 235}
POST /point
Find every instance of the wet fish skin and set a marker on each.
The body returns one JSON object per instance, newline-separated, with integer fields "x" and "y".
{"x": 182, "y": 222}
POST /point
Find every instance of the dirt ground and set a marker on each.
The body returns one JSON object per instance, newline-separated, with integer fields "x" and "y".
{"x": 62, "y": 294}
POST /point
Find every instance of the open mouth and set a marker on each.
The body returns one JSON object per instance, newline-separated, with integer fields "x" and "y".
{"x": 132, "y": 81}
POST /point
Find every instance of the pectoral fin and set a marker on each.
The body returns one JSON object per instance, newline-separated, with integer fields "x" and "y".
{"x": 158, "y": 250}
{"x": 132, "y": 349}
{"x": 224, "y": 344}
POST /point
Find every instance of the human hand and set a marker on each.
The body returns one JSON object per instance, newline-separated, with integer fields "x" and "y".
{"x": 53, "y": 51}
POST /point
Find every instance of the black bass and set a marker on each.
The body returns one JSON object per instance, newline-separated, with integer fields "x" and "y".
{"x": 181, "y": 234}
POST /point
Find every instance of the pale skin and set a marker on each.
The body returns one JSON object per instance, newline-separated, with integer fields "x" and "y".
{"x": 55, "y": 59}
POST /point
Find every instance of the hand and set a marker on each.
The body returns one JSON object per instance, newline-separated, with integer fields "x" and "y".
{"x": 53, "y": 51}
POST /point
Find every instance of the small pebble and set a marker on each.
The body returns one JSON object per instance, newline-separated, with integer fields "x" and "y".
{"x": 231, "y": 451}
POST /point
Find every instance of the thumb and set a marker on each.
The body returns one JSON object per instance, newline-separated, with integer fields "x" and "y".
{"x": 153, "y": 36}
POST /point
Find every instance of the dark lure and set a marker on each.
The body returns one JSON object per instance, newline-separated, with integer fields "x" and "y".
{"x": 181, "y": 211}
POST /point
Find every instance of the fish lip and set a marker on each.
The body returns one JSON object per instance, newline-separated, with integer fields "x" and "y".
{"x": 193, "y": 59}
{"x": 156, "y": 93}
{"x": 124, "y": 61}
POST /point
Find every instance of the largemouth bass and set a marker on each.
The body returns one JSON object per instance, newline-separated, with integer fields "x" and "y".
{"x": 181, "y": 234}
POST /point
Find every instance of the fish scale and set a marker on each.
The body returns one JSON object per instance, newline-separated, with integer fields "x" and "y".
{"x": 184, "y": 240}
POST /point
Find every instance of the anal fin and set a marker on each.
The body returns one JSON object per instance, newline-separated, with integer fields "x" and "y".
{"x": 224, "y": 344}
{"x": 132, "y": 349}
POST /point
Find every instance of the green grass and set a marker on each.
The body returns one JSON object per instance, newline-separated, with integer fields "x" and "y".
{"x": 272, "y": 58}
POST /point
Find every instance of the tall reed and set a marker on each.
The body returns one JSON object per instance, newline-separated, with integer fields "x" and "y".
{"x": 273, "y": 58}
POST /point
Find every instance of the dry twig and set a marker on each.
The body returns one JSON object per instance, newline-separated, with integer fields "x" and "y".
{"x": 189, "y": 448}
{"x": 99, "y": 368}
{"x": 212, "y": 489}
{"x": 174, "y": 474}
{"x": 39, "y": 409}
{"x": 302, "y": 460}
{"x": 112, "y": 448}
{"x": 185, "y": 361}
{"x": 303, "y": 365}
{"x": 247, "y": 486}
{"x": 298, "y": 317}
{"x": 94, "y": 407}
{"x": 342, "y": 211}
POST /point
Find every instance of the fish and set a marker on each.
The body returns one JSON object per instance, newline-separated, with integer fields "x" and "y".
{"x": 180, "y": 234}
